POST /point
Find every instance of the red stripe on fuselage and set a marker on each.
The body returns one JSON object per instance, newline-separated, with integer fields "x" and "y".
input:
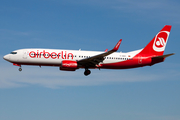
{"x": 132, "y": 63}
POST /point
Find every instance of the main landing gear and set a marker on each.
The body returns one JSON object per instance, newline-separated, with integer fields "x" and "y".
{"x": 87, "y": 72}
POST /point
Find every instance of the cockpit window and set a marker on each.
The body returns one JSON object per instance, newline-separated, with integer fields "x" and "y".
{"x": 13, "y": 53}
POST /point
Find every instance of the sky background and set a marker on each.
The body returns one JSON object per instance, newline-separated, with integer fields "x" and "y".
{"x": 148, "y": 93}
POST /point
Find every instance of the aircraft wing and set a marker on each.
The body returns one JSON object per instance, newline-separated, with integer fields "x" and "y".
{"x": 95, "y": 60}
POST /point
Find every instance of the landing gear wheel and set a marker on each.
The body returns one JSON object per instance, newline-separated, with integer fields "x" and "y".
{"x": 87, "y": 72}
{"x": 20, "y": 69}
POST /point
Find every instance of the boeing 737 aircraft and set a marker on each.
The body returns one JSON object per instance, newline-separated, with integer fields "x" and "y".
{"x": 71, "y": 60}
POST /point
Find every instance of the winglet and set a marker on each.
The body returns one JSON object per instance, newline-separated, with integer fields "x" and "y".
{"x": 106, "y": 50}
{"x": 117, "y": 45}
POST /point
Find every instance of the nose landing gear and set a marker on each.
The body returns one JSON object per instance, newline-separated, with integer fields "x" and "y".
{"x": 20, "y": 69}
{"x": 87, "y": 72}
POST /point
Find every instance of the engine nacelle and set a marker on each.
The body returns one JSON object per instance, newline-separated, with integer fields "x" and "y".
{"x": 69, "y": 65}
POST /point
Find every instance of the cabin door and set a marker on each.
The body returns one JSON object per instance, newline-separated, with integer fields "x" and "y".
{"x": 25, "y": 54}
{"x": 139, "y": 59}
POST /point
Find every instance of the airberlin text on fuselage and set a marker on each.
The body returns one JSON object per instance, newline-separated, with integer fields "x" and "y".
{"x": 53, "y": 55}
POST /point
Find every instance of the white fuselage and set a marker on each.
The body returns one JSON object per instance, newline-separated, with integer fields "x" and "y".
{"x": 54, "y": 57}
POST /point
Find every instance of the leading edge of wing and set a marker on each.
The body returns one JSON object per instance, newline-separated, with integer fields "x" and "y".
{"x": 94, "y": 60}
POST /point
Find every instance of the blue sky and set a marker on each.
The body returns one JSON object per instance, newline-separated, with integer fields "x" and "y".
{"x": 46, "y": 93}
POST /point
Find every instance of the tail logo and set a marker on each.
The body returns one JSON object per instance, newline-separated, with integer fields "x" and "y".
{"x": 160, "y": 41}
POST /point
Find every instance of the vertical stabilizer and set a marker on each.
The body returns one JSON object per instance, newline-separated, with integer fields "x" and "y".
{"x": 158, "y": 43}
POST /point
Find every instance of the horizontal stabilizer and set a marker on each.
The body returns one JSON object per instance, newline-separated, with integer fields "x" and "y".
{"x": 163, "y": 56}
{"x": 159, "y": 59}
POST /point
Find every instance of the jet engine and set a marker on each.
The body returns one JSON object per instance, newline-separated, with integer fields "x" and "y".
{"x": 68, "y": 65}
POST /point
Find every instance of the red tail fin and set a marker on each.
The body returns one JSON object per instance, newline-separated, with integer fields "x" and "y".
{"x": 158, "y": 43}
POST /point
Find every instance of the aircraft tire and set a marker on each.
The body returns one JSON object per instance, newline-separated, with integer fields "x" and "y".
{"x": 87, "y": 72}
{"x": 20, "y": 69}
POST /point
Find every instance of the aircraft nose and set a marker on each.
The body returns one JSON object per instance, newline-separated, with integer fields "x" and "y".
{"x": 6, "y": 57}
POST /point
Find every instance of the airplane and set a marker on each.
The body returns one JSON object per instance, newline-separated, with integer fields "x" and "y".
{"x": 71, "y": 60}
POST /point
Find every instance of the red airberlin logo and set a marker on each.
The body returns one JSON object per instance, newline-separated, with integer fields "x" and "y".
{"x": 160, "y": 41}
{"x": 53, "y": 55}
